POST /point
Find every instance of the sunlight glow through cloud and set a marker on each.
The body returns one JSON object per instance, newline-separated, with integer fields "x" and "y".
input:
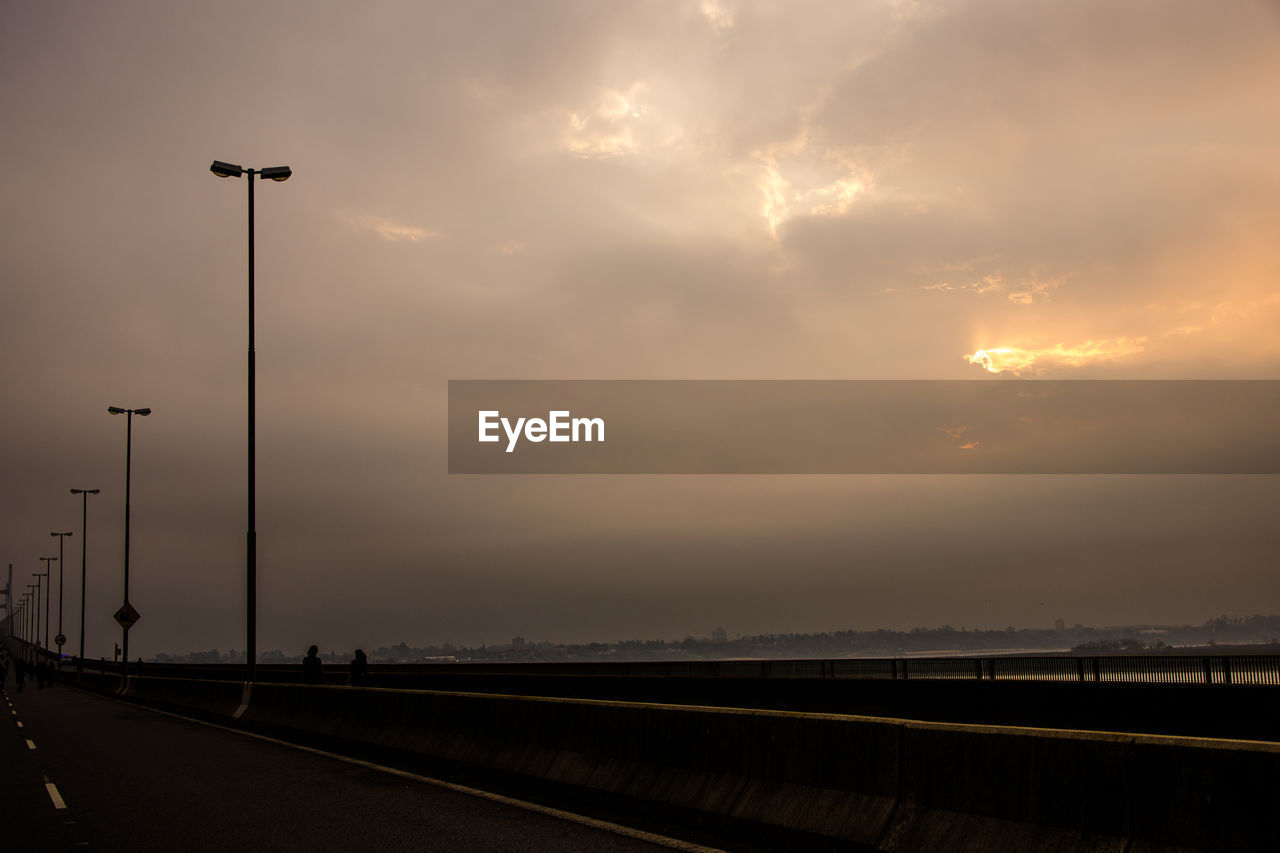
{"x": 1020, "y": 360}
{"x": 717, "y": 15}
{"x": 800, "y": 193}
{"x": 608, "y": 129}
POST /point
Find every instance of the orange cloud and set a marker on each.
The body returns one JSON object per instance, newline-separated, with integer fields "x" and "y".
{"x": 1022, "y": 360}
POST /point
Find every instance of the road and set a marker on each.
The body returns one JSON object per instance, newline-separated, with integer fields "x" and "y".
{"x": 137, "y": 780}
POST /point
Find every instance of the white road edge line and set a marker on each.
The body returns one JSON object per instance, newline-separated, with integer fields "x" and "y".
{"x": 607, "y": 826}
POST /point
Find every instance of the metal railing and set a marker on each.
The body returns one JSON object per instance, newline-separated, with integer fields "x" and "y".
{"x": 1258, "y": 669}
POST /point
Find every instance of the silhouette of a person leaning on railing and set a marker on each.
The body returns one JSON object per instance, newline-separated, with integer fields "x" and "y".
{"x": 358, "y": 669}
{"x": 312, "y": 668}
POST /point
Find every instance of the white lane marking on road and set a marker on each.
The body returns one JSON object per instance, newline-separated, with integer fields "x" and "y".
{"x": 583, "y": 820}
{"x": 20, "y": 724}
{"x": 31, "y": 744}
{"x": 55, "y": 795}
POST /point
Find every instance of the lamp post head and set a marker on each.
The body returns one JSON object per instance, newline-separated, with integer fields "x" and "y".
{"x": 68, "y": 533}
{"x": 276, "y": 173}
{"x": 115, "y": 410}
{"x": 84, "y": 491}
{"x": 226, "y": 170}
{"x": 143, "y": 412}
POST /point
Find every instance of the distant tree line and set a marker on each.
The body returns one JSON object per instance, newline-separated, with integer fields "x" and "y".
{"x": 1222, "y": 630}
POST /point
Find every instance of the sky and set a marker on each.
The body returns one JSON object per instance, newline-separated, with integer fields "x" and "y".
{"x": 584, "y": 190}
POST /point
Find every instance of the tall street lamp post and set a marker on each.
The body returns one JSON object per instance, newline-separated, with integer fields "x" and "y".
{"x": 26, "y": 615}
{"x": 48, "y": 594}
{"x": 84, "y": 533}
{"x": 35, "y": 596}
{"x": 62, "y": 571}
{"x": 275, "y": 173}
{"x": 123, "y": 615}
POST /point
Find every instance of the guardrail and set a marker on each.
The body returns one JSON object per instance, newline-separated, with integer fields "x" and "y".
{"x": 794, "y": 780}
{"x": 1259, "y": 669}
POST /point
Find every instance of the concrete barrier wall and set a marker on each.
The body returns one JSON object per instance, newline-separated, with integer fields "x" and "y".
{"x": 204, "y": 698}
{"x": 865, "y": 783}
{"x": 1205, "y": 795}
{"x": 990, "y": 788}
{"x": 98, "y": 682}
{"x": 817, "y": 774}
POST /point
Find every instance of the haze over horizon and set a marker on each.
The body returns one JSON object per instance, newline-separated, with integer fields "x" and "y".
{"x": 577, "y": 190}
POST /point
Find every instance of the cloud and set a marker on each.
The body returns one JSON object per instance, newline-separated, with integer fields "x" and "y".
{"x": 1039, "y": 360}
{"x": 610, "y": 128}
{"x": 803, "y": 183}
{"x": 717, "y": 15}
{"x": 1033, "y": 290}
{"x": 393, "y": 231}
{"x": 958, "y": 434}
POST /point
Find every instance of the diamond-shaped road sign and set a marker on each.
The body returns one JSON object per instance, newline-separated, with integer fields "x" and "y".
{"x": 126, "y": 616}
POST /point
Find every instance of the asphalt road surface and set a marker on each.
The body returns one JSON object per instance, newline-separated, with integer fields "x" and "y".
{"x": 136, "y": 780}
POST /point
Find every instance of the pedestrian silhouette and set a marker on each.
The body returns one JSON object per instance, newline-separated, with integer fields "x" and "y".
{"x": 312, "y": 668}
{"x": 359, "y": 668}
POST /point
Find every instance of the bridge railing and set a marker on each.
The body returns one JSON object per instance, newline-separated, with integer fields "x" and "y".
{"x": 1257, "y": 669}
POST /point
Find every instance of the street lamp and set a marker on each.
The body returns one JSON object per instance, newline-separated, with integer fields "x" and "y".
{"x": 84, "y": 533}
{"x": 62, "y": 570}
{"x": 125, "y": 609}
{"x": 35, "y": 594}
{"x": 48, "y": 594}
{"x": 275, "y": 173}
{"x": 26, "y": 615}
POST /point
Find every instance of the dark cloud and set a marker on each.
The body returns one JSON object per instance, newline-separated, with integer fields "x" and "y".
{"x": 586, "y": 190}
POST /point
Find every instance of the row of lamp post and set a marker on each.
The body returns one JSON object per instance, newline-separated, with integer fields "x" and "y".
{"x": 127, "y": 615}
{"x": 31, "y": 630}
{"x": 32, "y": 624}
